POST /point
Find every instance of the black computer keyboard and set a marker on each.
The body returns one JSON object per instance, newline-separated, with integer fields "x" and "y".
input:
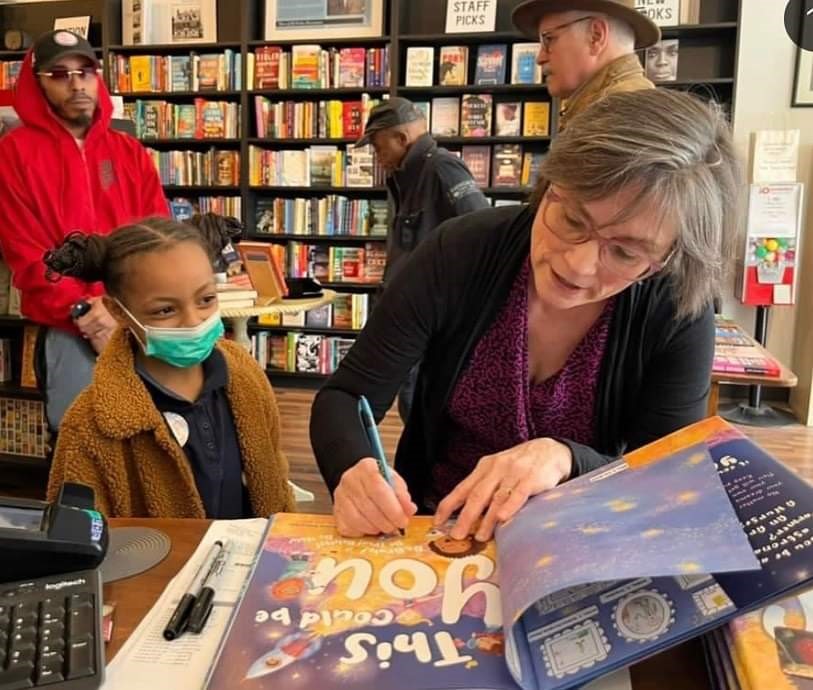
{"x": 50, "y": 632}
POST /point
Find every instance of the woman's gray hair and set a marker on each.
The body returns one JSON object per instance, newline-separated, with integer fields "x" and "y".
{"x": 675, "y": 152}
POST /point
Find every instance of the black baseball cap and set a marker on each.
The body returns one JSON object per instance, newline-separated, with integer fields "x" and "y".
{"x": 54, "y": 45}
{"x": 392, "y": 112}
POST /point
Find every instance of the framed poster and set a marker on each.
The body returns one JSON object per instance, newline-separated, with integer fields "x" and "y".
{"x": 306, "y": 20}
{"x": 803, "y": 83}
{"x": 803, "y": 77}
{"x": 146, "y": 22}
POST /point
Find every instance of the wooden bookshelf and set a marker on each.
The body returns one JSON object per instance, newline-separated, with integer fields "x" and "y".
{"x": 371, "y": 41}
{"x": 475, "y": 141}
{"x": 174, "y": 48}
{"x": 347, "y": 286}
{"x": 710, "y": 28}
{"x": 179, "y": 95}
{"x": 15, "y": 390}
{"x": 282, "y": 142}
{"x": 442, "y": 39}
{"x": 10, "y": 460}
{"x": 11, "y": 321}
{"x": 309, "y": 94}
{"x": 679, "y": 83}
{"x": 310, "y": 330}
{"x": 520, "y": 90}
{"x": 706, "y": 66}
{"x": 320, "y": 191}
{"x": 507, "y": 191}
{"x": 206, "y": 190}
{"x": 287, "y": 378}
{"x": 334, "y": 239}
{"x": 191, "y": 142}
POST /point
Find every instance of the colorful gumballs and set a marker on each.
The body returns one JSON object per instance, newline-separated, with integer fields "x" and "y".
{"x": 783, "y": 243}
{"x": 770, "y": 257}
{"x": 772, "y": 245}
{"x": 760, "y": 252}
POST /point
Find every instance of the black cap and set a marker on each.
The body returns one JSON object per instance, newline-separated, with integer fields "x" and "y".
{"x": 49, "y": 47}
{"x": 392, "y": 112}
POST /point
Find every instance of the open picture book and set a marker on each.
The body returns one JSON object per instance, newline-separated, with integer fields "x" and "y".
{"x": 672, "y": 541}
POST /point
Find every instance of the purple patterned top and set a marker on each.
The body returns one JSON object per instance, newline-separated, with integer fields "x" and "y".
{"x": 494, "y": 405}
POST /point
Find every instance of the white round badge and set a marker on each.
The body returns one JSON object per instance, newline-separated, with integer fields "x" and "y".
{"x": 65, "y": 39}
{"x": 178, "y": 426}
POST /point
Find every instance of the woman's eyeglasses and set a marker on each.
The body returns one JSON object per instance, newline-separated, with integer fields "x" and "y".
{"x": 64, "y": 75}
{"x": 625, "y": 259}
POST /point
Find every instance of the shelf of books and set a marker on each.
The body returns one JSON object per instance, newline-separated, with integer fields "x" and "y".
{"x": 262, "y": 127}
{"x": 311, "y": 344}
{"x": 485, "y": 101}
{"x": 319, "y": 200}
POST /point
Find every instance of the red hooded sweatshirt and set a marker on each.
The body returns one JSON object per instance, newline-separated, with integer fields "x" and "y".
{"x": 49, "y": 187}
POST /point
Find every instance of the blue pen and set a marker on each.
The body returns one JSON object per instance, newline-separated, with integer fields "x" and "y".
{"x": 370, "y": 428}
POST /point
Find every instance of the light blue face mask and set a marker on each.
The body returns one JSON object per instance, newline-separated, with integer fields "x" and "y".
{"x": 180, "y": 347}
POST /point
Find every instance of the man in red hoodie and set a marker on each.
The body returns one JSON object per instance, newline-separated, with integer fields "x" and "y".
{"x": 65, "y": 169}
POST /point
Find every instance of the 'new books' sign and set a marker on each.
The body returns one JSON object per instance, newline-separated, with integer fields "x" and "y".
{"x": 662, "y": 12}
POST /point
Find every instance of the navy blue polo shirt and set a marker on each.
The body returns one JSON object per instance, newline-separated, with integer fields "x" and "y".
{"x": 212, "y": 446}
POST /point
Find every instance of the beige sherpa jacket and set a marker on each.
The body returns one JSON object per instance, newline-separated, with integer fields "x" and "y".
{"x": 115, "y": 440}
{"x": 621, "y": 75}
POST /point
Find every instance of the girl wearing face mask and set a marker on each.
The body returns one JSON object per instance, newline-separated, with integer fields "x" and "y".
{"x": 177, "y": 421}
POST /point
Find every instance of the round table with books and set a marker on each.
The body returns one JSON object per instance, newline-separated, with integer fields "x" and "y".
{"x": 238, "y": 317}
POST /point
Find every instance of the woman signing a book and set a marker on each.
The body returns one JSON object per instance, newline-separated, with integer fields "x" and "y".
{"x": 553, "y": 336}
{"x": 169, "y": 427}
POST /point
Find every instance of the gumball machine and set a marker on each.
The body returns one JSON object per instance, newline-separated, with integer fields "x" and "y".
{"x": 768, "y": 277}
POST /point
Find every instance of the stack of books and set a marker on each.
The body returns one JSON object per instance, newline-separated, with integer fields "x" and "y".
{"x": 736, "y": 352}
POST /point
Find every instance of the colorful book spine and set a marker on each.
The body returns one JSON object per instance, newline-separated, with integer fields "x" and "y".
{"x": 175, "y": 73}
{"x": 309, "y": 66}
{"x": 203, "y": 119}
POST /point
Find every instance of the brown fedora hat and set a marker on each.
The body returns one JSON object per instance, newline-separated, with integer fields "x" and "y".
{"x": 526, "y": 16}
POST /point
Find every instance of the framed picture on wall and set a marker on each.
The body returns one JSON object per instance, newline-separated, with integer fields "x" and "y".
{"x": 803, "y": 79}
{"x": 297, "y": 20}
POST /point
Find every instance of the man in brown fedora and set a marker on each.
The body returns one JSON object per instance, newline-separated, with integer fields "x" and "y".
{"x": 587, "y": 48}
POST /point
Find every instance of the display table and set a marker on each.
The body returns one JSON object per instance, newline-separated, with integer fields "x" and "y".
{"x": 238, "y": 316}
{"x": 785, "y": 378}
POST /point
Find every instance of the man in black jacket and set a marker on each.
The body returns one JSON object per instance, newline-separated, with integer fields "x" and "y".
{"x": 427, "y": 185}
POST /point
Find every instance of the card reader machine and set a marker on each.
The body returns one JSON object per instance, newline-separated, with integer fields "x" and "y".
{"x": 38, "y": 538}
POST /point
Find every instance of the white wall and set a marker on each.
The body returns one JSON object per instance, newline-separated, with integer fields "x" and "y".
{"x": 767, "y": 60}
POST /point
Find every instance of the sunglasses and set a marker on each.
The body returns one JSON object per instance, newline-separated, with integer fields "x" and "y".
{"x": 64, "y": 75}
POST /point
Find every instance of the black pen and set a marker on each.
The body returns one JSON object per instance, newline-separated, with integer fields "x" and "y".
{"x": 178, "y": 622}
{"x": 203, "y": 606}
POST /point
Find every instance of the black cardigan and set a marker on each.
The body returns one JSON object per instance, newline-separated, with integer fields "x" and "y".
{"x": 654, "y": 379}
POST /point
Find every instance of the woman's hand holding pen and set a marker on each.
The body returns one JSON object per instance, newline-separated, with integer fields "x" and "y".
{"x": 365, "y": 504}
{"x": 502, "y": 483}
